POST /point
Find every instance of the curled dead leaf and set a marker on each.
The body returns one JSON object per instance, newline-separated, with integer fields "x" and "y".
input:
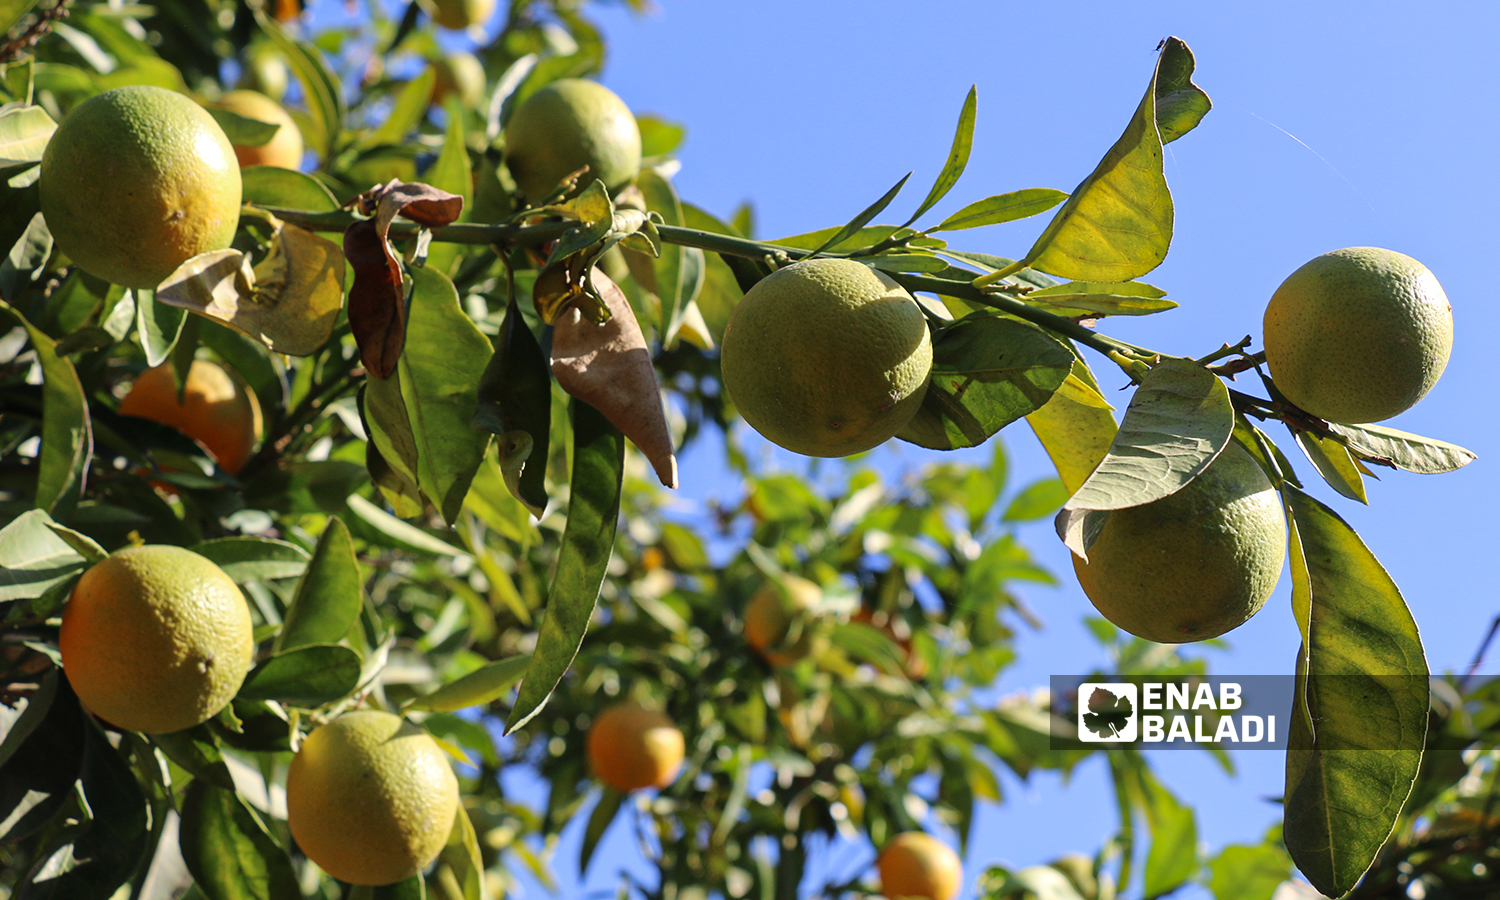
{"x": 289, "y": 301}
{"x": 608, "y": 367}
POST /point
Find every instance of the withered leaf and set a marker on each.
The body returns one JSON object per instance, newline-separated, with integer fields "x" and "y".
{"x": 608, "y": 367}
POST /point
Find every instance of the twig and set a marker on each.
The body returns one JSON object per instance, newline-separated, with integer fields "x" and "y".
{"x": 36, "y": 32}
{"x": 1484, "y": 647}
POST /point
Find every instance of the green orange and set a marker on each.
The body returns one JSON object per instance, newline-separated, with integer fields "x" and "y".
{"x": 565, "y": 126}
{"x": 1358, "y": 335}
{"x": 136, "y": 181}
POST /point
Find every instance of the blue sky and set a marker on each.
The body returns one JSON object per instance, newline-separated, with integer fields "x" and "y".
{"x": 1335, "y": 125}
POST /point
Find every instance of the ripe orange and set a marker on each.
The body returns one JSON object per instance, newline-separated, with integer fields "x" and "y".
{"x": 371, "y": 798}
{"x": 155, "y": 639}
{"x": 827, "y": 357}
{"x": 566, "y": 125}
{"x": 216, "y": 410}
{"x": 1195, "y": 563}
{"x": 631, "y": 747}
{"x": 1358, "y": 335}
{"x": 284, "y": 149}
{"x": 772, "y": 614}
{"x": 136, "y": 181}
{"x": 916, "y": 864}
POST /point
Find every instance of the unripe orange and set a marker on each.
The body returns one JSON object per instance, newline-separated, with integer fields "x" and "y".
{"x": 778, "y": 620}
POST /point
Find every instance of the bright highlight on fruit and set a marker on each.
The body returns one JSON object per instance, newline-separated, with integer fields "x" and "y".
{"x": 1358, "y": 335}
{"x": 569, "y": 124}
{"x": 136, "y": 181}
{"x": 156, "y": 639}
{"x": 371, "y": 798}
{"x": 1195, "y": 563}
{"x": 827, "y": 357}
{"x": 631, "y": 747}
{"x": 916, "y": 864}
{"x": 216, "y": 410}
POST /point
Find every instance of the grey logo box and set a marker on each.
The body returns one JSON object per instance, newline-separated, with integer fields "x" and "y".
{"x": 1235, "y": 712}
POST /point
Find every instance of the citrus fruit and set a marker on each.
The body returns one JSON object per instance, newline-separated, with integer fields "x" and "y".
{"x": 155, "y": 639}
{"x": 916, "y": 864}
{"x": 216, "y": 410}
{"x": 774, "y": 611}
{"x": 565, "y": 126}
{"x": 1195, "y": 563}
{"x": 457, "y": 15}
{"x": 1358, "y": 335}
{"x": 284, "y": 149}
{"x": 631, "y": 747}
{"x": 371, "y": 798}
{"x": 461, "y": 74}
{"x": 136, "y": 181}
{"x": 827, "y": 357}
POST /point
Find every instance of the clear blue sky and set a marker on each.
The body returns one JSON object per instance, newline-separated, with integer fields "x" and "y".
{"x": 1335, "y": 124}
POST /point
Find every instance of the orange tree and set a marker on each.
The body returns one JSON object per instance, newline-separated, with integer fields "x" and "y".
{"x": 444, "y": 520}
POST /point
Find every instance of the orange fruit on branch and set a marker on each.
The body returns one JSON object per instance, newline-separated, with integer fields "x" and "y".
{"x": 155, "y": 639}
{"x": 566, "y": 125}
{"x": 136, "y": 181}
{"x": 779, "y": 622}
{"x": 631, "y": 747}
{"x": 284, "y": 149}
{"x": 371, "y": 798}
{"x": 915, "y": 864}
{"x": 216, "y": 410}
{"x": 1358, "y": 335}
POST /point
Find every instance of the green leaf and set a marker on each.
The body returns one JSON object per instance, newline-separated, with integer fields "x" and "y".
{"x": 24, "y": 133}
{"x": 1248, "y": 872}
{"x": 906, "y": 262}
{"x": 1001, "y": 208}
{"x": 1128, "y": 298}
{"x": 320, "y": 89}
{"x": 1412, "y": 452}
{"x": 407, "y": 112}
{"x": 659, "y": 136}
{"x": 515, "y": 403}
{"x": 228, "y": 850}
{"x": 1367, "y": 691}
{"x": 863, "y": 219}
{"x": 866, "y": 236}
{"x": 482, "y": 685}
{"x": 92, "y": 865}
{"x": 254, "y": 558}
{"x": 243, "y": 131}
{"x": 588, "y": 540}
{"x": 1333, "y": 462}
{"x": 599, "y": 821}
{"x": 1036, "y": 501}
{"x": 1173, "y": 857}
{"x": 679, "y": 270}
{"x": 159, "y": 325}
{"x": 435, "y": 391}
{"x": 451, "y": 173}
{"x": 1117, "y": 224}
{"x": 958, "y": 156}
{"x": 1076, "y": 427}
{"x": 67, "y": 431}
{"x": 1180, "y": 104}
{"x": 309, "y": 675}
{"x": 196, "y": 750}
{"x": 461, "y": 855}
{"x": 1176, "y": 424}
{"x": 401, "y": 535}
{"x": 987, "y": 372}
{"x": 275, "y": 186}
{"x": 40, "y": 758}
{"x": 33, "y": 558}
{"x": 330, "y": 595}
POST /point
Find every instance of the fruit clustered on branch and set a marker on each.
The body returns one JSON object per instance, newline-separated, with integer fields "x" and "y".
{"x": 526, "y": 277}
